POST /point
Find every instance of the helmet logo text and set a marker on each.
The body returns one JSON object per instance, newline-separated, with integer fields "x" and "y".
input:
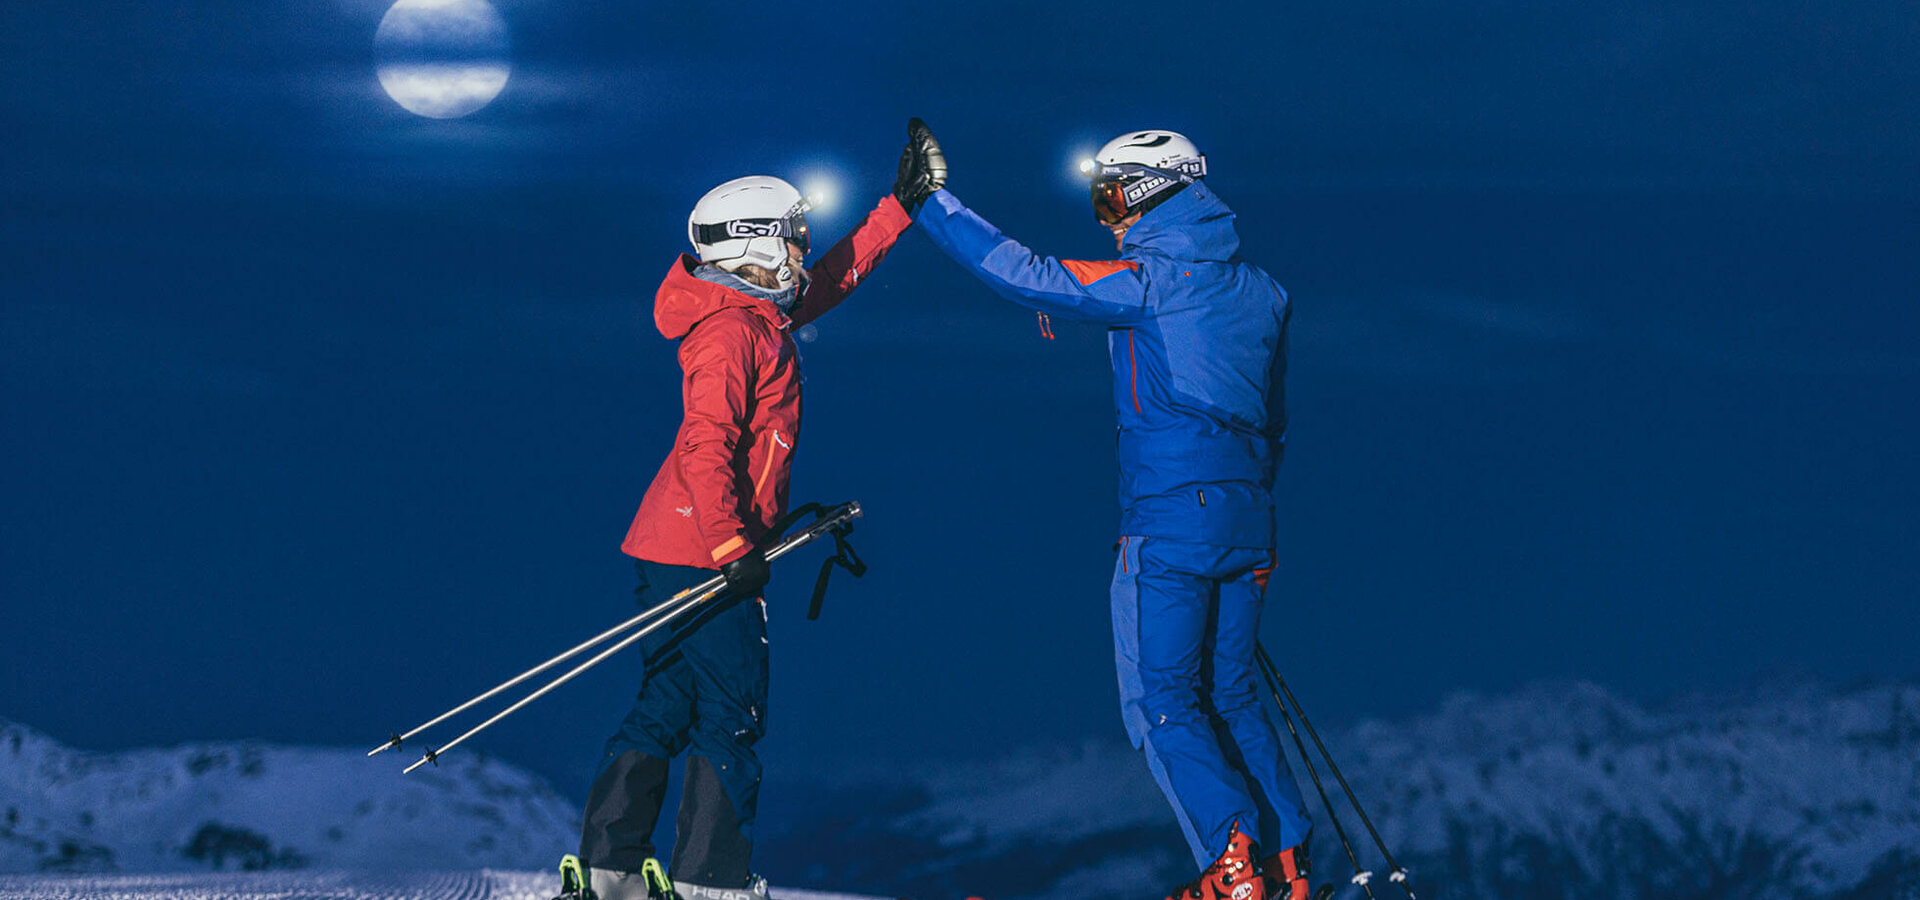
{"x": 747, "y": 228}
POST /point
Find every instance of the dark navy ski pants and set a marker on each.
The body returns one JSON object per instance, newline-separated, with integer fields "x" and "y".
{"x": 704, "y": 691}
{"x": 1186, "y": 621}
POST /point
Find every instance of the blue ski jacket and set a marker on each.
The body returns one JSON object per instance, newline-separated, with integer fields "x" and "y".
{"x": 1198, "y": 342}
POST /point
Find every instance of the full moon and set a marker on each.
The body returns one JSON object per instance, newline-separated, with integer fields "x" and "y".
{"x": 442, "y": 59}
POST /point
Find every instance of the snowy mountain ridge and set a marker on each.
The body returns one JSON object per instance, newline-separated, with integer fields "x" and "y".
{"x": 1809, "y": 794}
{"x": 1801, "y": 792}
{"x": 258, "y": 806}
{"x": 1557, "y": 791}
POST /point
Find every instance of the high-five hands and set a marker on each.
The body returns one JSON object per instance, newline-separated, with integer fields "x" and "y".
{"x": 923, "y": 168}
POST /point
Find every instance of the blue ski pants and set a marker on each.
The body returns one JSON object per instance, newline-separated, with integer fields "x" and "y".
{"x": 1186, "y": 622}
{"x": 703, "y": 691}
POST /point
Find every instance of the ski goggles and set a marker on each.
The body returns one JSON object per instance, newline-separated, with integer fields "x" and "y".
{"x": 1120, "y": 191}
{"x": 1109, "y": 201}
{"x": 792, "y": 227}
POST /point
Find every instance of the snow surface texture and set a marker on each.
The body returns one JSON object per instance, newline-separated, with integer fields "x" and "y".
{"x": 255, "y": 806}
{"x": 1555, "y": 792}
{"x": 481, "y": 885}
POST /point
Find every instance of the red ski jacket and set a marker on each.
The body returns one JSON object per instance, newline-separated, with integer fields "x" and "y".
{"x": 725, "y": 483}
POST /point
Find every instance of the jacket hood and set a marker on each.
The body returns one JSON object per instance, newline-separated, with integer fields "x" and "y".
{"x": 1194, "y": 224}
{"x": 683, "y": 301}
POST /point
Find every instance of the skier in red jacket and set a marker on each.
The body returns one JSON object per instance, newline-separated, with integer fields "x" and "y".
{"x": 713, "y": 503}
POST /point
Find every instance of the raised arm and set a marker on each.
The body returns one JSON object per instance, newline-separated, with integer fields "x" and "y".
{"x": 1109, "y": 292}
{"x": 843, "y": 267}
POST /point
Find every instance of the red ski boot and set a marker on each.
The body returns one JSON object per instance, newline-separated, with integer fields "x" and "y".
{"x": 1231, "y": 877}
{"x": 1286, "y": 874}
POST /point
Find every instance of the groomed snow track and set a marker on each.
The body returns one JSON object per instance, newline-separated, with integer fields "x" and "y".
{"x": 481, "y": 885}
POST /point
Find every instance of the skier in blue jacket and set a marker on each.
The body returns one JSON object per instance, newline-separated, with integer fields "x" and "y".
{"x": 1197, "y": 338}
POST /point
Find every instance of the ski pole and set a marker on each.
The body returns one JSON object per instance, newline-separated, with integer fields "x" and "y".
{"x": 1361, "y": 876}
{"x": 1398, "y": 873}
{"x": 836, "y": 521}
{"x": 433, "y": 756}
{"x": 394, "y": 742}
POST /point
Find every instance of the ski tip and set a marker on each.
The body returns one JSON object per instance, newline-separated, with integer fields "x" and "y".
{"x": 1324, "y": 893}
{"x": 573, "y": 876}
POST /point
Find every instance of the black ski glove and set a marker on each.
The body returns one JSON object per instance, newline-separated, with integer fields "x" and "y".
{"x": 746, "y": 575}
{"x": 923, "y": 168}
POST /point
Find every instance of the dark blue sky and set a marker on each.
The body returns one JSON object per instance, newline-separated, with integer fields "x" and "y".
{"x": 321, "y": 416}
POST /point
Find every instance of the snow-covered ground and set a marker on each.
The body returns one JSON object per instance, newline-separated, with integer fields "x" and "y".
{"x": 481, "y": 885}
{"x": 1566, "y": 791}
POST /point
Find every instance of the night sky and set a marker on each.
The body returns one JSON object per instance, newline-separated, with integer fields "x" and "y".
{"x": 321, "y": 416}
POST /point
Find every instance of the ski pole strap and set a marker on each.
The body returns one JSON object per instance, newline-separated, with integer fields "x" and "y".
{"x": 844, "y": 557}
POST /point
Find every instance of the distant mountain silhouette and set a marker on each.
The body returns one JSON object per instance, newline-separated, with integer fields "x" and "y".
{"x": 251, "y": 806}
{"x": 1555, "y": 792}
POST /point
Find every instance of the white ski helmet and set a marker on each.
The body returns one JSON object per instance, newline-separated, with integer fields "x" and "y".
{"x": 1137, "y": 171}
{"x": 749, "y": 221}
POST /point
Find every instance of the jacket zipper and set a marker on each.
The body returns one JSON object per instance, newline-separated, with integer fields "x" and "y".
{"x": 1133, "y": 378}
{"x": 767, "y": 468}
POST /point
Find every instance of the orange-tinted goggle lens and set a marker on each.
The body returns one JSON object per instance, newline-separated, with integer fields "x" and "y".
{"x": 1109, "y": 201}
